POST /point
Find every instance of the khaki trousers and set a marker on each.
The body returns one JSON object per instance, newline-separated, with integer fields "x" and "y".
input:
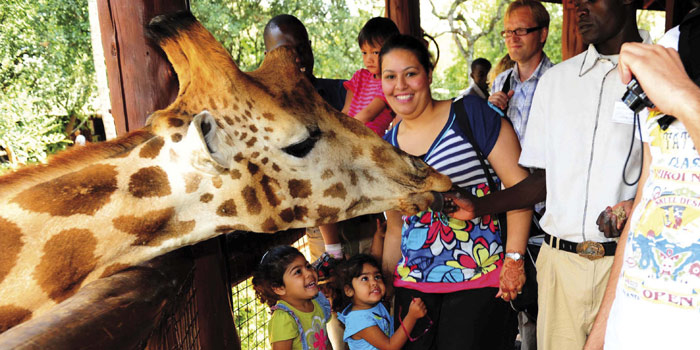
{"x": 570, "y": 290}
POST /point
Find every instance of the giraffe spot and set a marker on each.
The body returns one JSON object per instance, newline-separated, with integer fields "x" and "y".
{"x": 253, "y": 128}
{"x": 112, "y": 269}
{"x": 176, "y": 137}
{"x": 330, "y": 134}
{"x": 358, "y": 205}
{"x": 299, "y": 188}
{"x": 216, "y": 181}
{"x": 237, "y": 118}
{"x": 267, "y": 128}
{"x": 219, "y": 124}
{"x": 206, "y": 198}
{"x": 325, "y": 211}
{"x": 269, "y": 116}
{"x": 235, "y": 174}
{"x": 175, "y": 122}
{"x": 275, "y": 167}
{"x": 266, "y": 138}
{"x": 149, "y": 182}
{"x": 235, "y": 106}
{"x": 327, "y": 174}
{"x": 287, "y": 215}
{"x": 192, "y": 181}
{"x": 380, "y": 155}
{"x": 230, "y": 228}
{"x": 68, "y": 257}
{"x": 248, "y": 114}
{"x": 269, "y": 225}
{"x": 336, "y": 191}
{"x": 249, "y": 103}
{"x": 238, "y": 157}
{"x": 264, "y": 160}
{"x": 267, "y": 186}
{"x": 213, "y": 103}
{"x": 152, "y": 148}
{"x": 255, "y": 155}
{"x": 253, "y": 168}
{"x": 252, "y": 202}
{"x": 300, "y": 212}
{"x": 251, "y": 142}
{"x": 227, "y": 208}
{"x": 153, "y": 227}
{"x": 353, "y": 178}
{"x": 235, "y": 133}
{"x": 11, "y": 316}
{"x": 355, "y": 152}
{"x": 228, "y": 120}
{"x": 367, "y": 176}
{"x": 353, "y": 125}
{"x": 226, "y": 103}
{"x": 81, "y": 192}
{"x": 10, "y": 246}
{"x": 243, "y": 136}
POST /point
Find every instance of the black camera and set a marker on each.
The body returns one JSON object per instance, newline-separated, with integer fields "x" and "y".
{"x": 635, "y": 98}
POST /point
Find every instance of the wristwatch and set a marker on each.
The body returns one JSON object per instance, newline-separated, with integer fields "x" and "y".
{"x": 514, "y": 255}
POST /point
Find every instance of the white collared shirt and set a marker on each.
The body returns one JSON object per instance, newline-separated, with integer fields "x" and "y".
{"x": 580, "y": 132}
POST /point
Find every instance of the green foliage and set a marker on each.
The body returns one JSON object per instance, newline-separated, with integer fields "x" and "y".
{"x": 332, "y": 28}
{"x": 46, "y": 69}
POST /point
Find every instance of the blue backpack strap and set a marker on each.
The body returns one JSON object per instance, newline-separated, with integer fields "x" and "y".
{"x": 283, "y": 307}
{"x": 325, "y": 305}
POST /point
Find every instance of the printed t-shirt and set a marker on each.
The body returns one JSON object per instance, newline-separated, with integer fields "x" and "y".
{"x": 283, "y": 327}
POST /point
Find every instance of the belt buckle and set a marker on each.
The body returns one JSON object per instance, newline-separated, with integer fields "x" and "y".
{"x": 590, "y": 250}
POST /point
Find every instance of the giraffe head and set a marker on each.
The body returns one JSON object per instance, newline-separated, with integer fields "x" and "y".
{"x": 257, "y": 151}
{"x": 293, "y": 159}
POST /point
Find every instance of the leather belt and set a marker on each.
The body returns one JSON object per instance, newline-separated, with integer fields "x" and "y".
{"x": 587, "y": 249}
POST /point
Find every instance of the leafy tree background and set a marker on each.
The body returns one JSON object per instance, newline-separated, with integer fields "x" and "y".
{"x": 46, "y": 76}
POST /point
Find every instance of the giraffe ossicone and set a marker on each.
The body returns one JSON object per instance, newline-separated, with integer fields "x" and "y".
{"x": 258, "y": 151}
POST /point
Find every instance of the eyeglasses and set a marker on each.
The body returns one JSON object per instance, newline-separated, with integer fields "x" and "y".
{"x": 519, "y": 31}
{"x": 430, "y": 323}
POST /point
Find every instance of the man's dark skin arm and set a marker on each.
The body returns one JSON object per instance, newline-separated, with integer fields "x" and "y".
{"x": 527, "y": 193}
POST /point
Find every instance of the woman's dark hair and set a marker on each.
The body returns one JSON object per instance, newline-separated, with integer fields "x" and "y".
{"x": 409, "y": 43}
{"x": 269, "y": 273}
{"x": 377, "y": 31}
{"x": 344, "y": 273}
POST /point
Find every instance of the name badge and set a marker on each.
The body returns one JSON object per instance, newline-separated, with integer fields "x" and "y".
{"x": 622, "y": 114}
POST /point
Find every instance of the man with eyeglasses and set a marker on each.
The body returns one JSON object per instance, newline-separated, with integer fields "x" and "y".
{"x": 526, "y": 25}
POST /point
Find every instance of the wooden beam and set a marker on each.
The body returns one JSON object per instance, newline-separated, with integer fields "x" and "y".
{"x": 571, "y": 41}
{"x": 406, "y": 15}
{"x": 140, "y": 78}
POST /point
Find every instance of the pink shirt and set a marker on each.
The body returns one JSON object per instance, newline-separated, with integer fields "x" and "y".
{"x": 365, "y": 89}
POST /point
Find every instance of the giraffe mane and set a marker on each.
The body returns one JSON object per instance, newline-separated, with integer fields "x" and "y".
{"x": 76, "y": 156}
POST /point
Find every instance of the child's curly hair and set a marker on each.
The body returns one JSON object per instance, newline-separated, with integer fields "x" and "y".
{"x": 344, "y": 273}
{"x": 269, "y": 273}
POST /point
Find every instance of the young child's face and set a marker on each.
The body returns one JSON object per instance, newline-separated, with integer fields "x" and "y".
{"x": 370, "y": 57}
{"x": 300, "y": 280}
{"x": 367, "y": 288}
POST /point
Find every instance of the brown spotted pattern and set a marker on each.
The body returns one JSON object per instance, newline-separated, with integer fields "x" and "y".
{"x": 11, "y": 316}
{"x": 153, "y": 227}
{"x": 227, "y": 208}
{"x": 252, "y": 203}
{"x": 192, "y": 181}
{"x": 299, "y": 188}
{"x": 10, "y": 246}
{"x": 80, "y": 192}
{"x": 64, "y": 264}
{"x": 149, "y": 182}
{"x": 152, "y": 148}
{"x": 206, "y": 198}
{"x": 335, "y": 191}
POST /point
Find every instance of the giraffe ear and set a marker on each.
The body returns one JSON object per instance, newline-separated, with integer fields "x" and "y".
{"x": 205, "y": 129}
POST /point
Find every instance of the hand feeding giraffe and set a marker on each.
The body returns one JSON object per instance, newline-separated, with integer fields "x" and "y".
{"x": 256, "y": 151}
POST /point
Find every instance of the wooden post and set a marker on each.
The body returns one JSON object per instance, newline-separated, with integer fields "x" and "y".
{"x": 571, "y": 41}
{"x": 406, "y": 15}
{"x": 140, "y": 78}
{"x": 212, "y": 292}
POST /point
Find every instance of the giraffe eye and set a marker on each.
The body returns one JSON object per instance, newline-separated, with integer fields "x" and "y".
{"x": 301, "y": 149}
